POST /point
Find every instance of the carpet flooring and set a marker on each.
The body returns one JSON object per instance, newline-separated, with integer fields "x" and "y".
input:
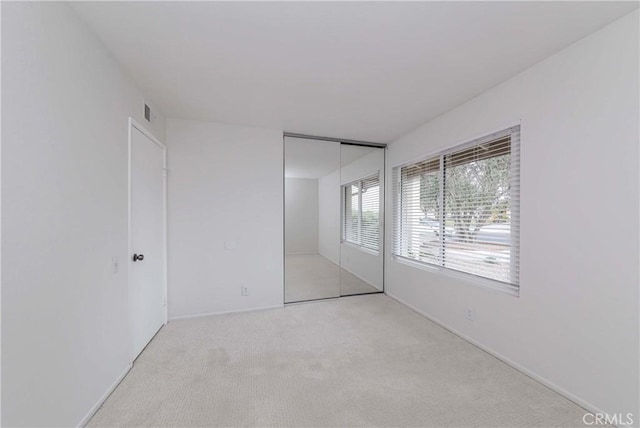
{"x": 312, "y": 276}
{"x": 355, "y": 361}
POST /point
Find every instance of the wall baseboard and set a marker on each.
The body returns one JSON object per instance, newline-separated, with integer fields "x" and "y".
{"x": 544, "y": 381}
{"x": 104, "y": 397}
{"x": 233, "y": 311}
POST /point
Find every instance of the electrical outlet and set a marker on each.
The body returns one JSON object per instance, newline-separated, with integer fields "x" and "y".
{"x": 114, "y": 265}
{"x": 244, "y": 290}
{"x": 469, "y": 314}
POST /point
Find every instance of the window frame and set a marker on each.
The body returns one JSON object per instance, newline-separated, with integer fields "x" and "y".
{"x": 399, "y": 214}
{"x": 343, "y": 211}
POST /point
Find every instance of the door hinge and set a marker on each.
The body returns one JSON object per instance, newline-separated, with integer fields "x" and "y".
{"x": 165, "y": 171}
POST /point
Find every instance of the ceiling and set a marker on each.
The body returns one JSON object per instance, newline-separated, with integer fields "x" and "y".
{"x": 359, "y": 70}
{"x": 312, "y": 159}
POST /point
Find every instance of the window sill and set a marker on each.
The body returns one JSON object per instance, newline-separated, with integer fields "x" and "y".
{"x": 360, "y": 247}
{"x": 466, "y": 277}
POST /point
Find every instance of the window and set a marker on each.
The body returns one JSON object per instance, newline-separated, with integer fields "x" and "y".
{"x": 361, "y": 212}
{"x": 459, "y": 209}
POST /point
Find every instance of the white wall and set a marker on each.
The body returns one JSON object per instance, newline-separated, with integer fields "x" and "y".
{"x": 65, "y": 106}
{"x": 363, "y": 264}
{"x": 575, "y": 324}
{"x": 301, "y": 215}
{"x": 225, "y": 187}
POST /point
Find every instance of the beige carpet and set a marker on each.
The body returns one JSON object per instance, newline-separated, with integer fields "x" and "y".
{"x": 312, "y": 276}
{"x": 356, "y": 361}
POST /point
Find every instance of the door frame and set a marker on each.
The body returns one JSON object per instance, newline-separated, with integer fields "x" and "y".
{"x": 131, "y": 125}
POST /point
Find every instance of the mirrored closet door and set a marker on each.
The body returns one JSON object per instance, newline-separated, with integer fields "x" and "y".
{"x": 362, "y": 207}
{"x": 311, "y": 225}
{"x": 334, "y": 208}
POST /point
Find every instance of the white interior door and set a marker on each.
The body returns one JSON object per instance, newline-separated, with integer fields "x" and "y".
{"x": 147, "y": 258}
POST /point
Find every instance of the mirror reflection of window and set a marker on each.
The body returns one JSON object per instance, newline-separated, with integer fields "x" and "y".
{"x": 362, "y": 205}
{"x": 361, "y": 212}
{"x": 334, "y": 213}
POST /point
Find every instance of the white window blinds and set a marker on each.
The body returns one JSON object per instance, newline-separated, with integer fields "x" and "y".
{"x": 460, "y": 209}
{"x": 361, "y": 212}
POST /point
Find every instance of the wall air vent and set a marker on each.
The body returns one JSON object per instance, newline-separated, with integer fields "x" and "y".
{"x": 147, "y": 113}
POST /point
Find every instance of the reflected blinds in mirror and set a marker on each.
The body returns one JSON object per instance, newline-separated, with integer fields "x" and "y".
{"x": 361, "y": 212}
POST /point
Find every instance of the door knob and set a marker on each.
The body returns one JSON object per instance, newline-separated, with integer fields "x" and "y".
{"x": 138, "y": 257}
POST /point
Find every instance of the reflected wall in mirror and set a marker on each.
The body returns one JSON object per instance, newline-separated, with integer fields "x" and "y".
{"x": 361, "y": 216}
{"x": 312, "y": 233}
